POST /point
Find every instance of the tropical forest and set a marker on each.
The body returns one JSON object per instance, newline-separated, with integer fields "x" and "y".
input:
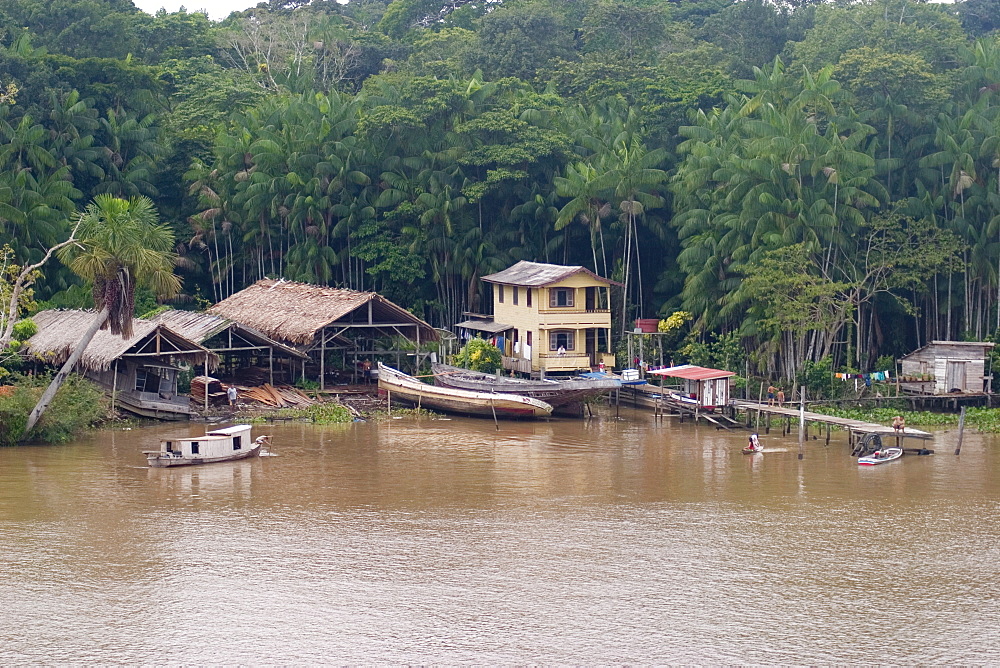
{"x": 792, "y": 185}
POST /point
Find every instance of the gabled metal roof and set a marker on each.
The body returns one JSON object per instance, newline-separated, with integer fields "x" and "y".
{"x": 691, "y": 372}
{"x": 537, "y": 274}
{"x": 484, "y": 326}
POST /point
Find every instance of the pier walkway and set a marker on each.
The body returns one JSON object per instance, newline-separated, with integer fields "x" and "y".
{"x": 854, "y": 427}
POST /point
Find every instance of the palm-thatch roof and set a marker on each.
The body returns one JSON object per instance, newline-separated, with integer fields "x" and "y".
{"x": 200, "y": 327}
{"x": 297, "y": 312}
{"x": 59, "y": 333}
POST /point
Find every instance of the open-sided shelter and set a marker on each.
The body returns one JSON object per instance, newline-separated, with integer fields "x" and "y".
{"x": 241, "y": 348}
{"x": 315, "y": 318}
{"x": 140, "y": 371}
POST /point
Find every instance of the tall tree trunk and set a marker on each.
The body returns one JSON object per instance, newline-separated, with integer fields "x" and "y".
{"x": 64, "y": 372}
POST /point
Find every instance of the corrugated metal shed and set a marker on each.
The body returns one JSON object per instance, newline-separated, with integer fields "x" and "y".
{"x": 538, "y": 274}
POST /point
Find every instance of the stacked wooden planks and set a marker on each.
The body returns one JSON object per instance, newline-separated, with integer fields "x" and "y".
{"x": 282, "y": 396}
{"x": 216, "y": 392}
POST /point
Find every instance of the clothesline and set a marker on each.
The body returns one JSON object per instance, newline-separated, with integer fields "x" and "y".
{"x": 876, "y": 376}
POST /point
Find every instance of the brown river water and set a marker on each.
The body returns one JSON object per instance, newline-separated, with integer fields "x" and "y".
{"x": 446, "y": 541}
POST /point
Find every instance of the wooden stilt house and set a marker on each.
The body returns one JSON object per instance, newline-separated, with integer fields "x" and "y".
{"x": 946, "y": 367}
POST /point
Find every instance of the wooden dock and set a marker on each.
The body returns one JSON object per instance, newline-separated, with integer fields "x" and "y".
{"x": 854, "y": 427}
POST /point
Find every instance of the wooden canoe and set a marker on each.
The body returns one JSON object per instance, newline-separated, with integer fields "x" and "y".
{"x": 401, "y": 387}
{"x": 566, "y": 395}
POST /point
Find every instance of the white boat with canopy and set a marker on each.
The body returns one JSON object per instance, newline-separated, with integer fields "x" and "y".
{"x": 218, "y": 445}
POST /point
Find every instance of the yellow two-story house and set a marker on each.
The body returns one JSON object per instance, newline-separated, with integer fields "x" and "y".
{"x": 550, "y": 318}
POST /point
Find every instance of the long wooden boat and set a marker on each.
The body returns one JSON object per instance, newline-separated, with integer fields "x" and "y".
{"x": 218, "y": 445}
{"x": 453, "y": 400}
{"x": 881, "y": 457}
{"x": 565, "y": 396}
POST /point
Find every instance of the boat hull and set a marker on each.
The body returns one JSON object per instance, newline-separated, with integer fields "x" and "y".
{"x": 565, "y": 396}
{"x": 400, "y": 387}
{"x": 872, "y": 460}
{"x": 162, "y": 461}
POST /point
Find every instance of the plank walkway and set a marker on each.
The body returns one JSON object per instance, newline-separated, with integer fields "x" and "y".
{"x": 854, "y": 426}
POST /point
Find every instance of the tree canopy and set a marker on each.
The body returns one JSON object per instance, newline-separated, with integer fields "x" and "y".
{"x": 802, "y": 178}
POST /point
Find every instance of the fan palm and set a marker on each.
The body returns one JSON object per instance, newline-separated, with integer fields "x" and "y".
{"x": 121, "y": 245}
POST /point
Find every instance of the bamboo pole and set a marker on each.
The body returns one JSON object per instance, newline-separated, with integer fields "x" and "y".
{"x": 114, "y": 388}
{"x": 961, "y": 431}
{"x": 802, "y": 418}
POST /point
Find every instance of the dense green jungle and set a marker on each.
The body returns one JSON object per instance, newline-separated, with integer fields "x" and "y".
{"x": 803, "y": 186}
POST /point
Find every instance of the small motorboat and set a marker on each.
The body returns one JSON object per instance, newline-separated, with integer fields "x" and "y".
{"x": 218, "y": 445}
{"x": 881, "y": 456}
{"x": 754, "y": 446}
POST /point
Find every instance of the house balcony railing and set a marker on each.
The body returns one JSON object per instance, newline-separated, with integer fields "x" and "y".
{"x": 566, "y": 362}
{"x": 571, "y": 309}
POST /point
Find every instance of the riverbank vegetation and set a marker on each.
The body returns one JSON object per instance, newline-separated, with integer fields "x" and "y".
{"x": 77, "y": 406}
{"x": 813, "y": 183}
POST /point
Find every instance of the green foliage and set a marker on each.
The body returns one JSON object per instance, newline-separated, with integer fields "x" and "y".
{"x": 724, "y": 351}
{"x": 323, "y": 413}
{"x": 329, "y": 413}
{"x": 24, "y": 329}
{"x": 306, "y": 384}
{"x": 479, "y": 355}
{"x": 78, "y": 404}
{"x": 819, "y": 379}
{"x": 411, "y": 146}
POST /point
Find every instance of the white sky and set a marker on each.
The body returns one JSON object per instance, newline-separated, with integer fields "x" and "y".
{"x": 217, "y": 9}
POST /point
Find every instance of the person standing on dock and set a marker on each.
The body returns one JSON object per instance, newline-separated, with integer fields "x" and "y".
{"x": 781, "y": 397}
{"x": 771, "y": 389}
{"x": 232, "y": 394}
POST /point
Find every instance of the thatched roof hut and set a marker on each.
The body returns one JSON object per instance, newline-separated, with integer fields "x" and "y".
{"x": 59, "y": 332}
{"x": 202, "y": 327}
{"x": 298, "y": 312}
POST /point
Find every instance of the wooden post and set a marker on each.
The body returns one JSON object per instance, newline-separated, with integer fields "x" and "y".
{"x": 828, "y": 433}
{"x": 270, "y": 364}
{"x": 494, "y": 409}
{"x": 961, "y": 431}
{"x": 206, "y": 382}
{"x": 802, "y": 418}
{"x": 760, "y": 401}
{"x": 114, "y": 388}
{"x": 322, "y": 358}
{"x": 388, "y": 402}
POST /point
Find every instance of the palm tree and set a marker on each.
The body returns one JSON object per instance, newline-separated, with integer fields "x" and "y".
{"x": 120, "y": 245}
